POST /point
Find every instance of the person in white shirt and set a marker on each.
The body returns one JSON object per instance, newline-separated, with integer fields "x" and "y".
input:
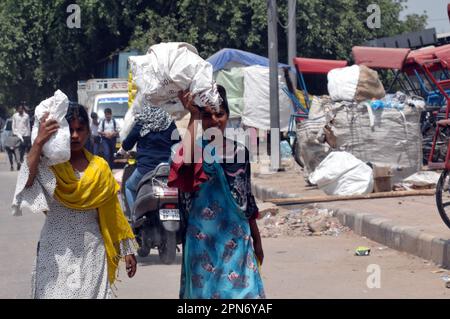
{"x": 109, "y": 131}
{"x": 94, "y": 141}
{"x": 21, "y": 128}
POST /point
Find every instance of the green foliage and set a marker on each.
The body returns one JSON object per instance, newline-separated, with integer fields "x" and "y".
{"x": 39, "y": 53}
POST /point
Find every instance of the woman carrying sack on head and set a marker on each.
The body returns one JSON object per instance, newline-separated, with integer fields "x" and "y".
{"x": 85, "y": 234}
{"x": 222, "y": 249}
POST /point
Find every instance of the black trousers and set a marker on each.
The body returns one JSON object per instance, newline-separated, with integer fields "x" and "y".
{"x": 13, "y": 154}
{"x": 24, "y": 147}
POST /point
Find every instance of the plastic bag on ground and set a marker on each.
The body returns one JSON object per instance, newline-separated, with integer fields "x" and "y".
{"x": 341, "y": 173}
{"x": 423, "y": 178}
{"x": 57, "y": 148}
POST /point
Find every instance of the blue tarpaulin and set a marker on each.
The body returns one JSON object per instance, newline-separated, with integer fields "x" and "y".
{"x": 220, "y": 59}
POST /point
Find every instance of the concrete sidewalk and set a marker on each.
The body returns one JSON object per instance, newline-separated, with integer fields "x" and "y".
{"x": 407, "y": 224}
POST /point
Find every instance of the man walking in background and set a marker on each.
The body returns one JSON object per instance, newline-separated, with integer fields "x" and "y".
{"x": 21, "y": 128}
{"x": 93, "y": 143}
{"x": 109, "y": 131}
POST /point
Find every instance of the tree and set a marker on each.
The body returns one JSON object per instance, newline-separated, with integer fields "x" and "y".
{"x": 208, "y": 25}
{"x": 40, "y": 53}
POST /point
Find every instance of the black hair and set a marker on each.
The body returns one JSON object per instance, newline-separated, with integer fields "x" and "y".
{"x": 223, "y": 95}
{"x": 108, "y": 111}
{"x": 78, "y": 112}
{"x": 94, "y": 115}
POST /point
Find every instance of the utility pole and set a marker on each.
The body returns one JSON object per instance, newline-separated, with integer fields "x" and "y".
{"x": 292, "y": 38}
{"x": 274, "y": 101}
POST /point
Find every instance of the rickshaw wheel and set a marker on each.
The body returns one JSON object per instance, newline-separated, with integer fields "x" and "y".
{"x": 443, "y": 197}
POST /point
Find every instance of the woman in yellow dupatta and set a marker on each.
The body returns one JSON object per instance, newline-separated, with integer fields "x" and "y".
{"x": 89, "y": 234}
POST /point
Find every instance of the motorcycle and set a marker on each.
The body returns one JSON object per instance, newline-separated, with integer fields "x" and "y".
{"x": 155, "y": 217}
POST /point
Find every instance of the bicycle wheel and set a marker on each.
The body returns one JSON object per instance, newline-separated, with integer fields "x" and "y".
{"x": 443, "y": 197}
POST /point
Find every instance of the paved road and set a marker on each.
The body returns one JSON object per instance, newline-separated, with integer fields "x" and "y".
{"x": 311, "y": 267}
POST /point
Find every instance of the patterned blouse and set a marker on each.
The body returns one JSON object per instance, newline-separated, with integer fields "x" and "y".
{"x": 237, "y": 172}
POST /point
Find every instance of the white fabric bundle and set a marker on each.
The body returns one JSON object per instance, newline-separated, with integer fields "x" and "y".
{"x": 356, "y": 82}
{"x": 166, "y": 69}
{"x": 341, "y": 173}
{"x": 342, "y": 83}
{"x": 57, "y": 149}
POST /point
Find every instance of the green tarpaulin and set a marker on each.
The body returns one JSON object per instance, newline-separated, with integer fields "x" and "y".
{"x": 233, "y": 82}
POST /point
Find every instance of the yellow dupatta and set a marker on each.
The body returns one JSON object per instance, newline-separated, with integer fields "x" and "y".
{"x": 97, "y": 189}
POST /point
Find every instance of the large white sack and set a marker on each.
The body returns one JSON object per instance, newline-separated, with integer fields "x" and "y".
{"x": 57, "y": 148}
{"x": 342, "y": 83}
{"x": 340, "y": 173}
{"x": 166, "y": 69}
{"x": 170, "y": 67}
{"x": 256, "y": 111}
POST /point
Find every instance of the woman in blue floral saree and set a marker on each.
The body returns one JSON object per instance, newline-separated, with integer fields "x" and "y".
{"x": 222, "y": 246}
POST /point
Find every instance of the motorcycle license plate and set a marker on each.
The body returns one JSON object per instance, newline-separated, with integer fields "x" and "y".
{"x": 169, "y": 214}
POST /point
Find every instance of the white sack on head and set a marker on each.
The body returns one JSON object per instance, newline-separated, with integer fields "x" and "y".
{"x": 170, "y": 67}
{"x": 166, "y": 69}
{"x": 57, "y": 148}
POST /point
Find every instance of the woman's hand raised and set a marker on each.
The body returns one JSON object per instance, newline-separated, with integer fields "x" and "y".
{"x": 187, "y": 99}
{"x": 46, "y": 129}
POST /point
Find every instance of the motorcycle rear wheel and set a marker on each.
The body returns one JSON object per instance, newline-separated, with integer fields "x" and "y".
{"x": 143, "y": 250}
{"x": 168, "y": 250}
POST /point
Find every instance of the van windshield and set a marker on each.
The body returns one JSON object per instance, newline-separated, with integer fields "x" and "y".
{"x": 118, "y": 106}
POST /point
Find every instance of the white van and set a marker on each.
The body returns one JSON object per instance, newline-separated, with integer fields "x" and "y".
{"x": 117, "y": 102}
{"x": 99, "y": 94}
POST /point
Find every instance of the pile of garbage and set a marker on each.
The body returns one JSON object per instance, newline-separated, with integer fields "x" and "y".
{"x": 419, "y": 180}
{"x": 311, "y": 221}
{"x": 358, "y": 118}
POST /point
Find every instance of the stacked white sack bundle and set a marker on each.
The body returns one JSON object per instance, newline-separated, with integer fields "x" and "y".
{"x": 354, "y": 83}
{"x": 166, "y": 69}
{"x": 57, "y": 148}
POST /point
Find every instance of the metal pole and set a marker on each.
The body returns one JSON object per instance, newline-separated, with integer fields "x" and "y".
{"x": 292, "y": 38}
{"x": 274, "y": 103}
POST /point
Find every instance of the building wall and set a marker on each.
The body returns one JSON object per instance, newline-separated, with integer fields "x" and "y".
{"x": 411, "y": 40}
{"x": 116, "y": 66}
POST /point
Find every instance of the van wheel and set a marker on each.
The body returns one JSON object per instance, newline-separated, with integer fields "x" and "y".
{"x": 168, "y": 249}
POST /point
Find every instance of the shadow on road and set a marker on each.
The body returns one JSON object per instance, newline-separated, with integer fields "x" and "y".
{"x": 153, "y": 259}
